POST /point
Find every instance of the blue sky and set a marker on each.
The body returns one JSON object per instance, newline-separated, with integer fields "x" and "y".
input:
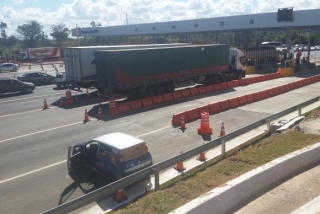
{"x": 113, "y": 12}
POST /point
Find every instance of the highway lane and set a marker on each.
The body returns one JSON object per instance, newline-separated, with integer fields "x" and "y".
{"x": 18, "y": 156}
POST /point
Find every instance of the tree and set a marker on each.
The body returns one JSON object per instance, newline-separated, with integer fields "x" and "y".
{"x": 31, "y": 33}
{"x": 60, "y": 32}
{"x": 3, "y": 27}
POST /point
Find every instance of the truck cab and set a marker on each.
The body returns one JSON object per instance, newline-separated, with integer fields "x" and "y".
{"x": 113, "y": 155}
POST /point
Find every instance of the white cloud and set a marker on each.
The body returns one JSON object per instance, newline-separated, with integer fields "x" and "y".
{"x": 113, "y": 12}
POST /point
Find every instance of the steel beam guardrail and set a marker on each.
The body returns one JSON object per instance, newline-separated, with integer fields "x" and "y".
{"x": 155, "y": 169}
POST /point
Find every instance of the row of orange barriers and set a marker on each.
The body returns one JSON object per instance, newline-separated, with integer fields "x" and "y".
{"x": 214, "y": 108}
{"x": 176, "y": 95}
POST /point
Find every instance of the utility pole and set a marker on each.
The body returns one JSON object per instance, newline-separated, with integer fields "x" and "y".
{"x": 127, "y": 18}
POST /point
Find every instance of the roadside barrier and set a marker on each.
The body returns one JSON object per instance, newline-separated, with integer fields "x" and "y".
{"x": 230, "y": 84}
{"x": 157, "y": 99}
{"x": 204, "y": 128}
{"x": 135, "y": 104}
{"x": 250, "y": 98}
{"x": 179, "y": 167}
{"x": 194, "y": 91}
{"x": 209, "y": 88}
{"x": 216, "y": 87}
{"x": 147, "y": 102}
{"x": 176, "y": 118}
{"x": 214, "y": 108}
{"x": 112, "y": 107}
{"x": 233, "y": 102}
{"x": 264, "y": 94}
{"x": 123, "y": 107}
{"x": 86, "y": 117}
{"x": 224, "y": 105}
{"x": 182, "y": 123}
{"x": 276, "y": 91}
{"x": 177, "y": 95}
{"x": 45, "y": 105}
{"x": 120, "y": 196}
{"x": 242, "y": 82}
{"x": 257, "y": 96}
{"x": 253, "y": 80}
{"x": 204, "y": 108}
{"x": 202, "y": 90}
{"x": 223, "y": 85}
{"x": 167, "y": 97}
{"x": 247, "y": 81}
{"x": 236, "y": 83}
{"x": 242, "y": 100}
{"x": 185, "y": 93}
{"x": 192, "y": 115}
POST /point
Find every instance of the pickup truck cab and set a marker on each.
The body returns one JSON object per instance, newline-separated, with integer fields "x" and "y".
{"x": 113, "y": 155}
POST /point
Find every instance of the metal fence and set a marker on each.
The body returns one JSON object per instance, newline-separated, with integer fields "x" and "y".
{"x": 155, "y": 169}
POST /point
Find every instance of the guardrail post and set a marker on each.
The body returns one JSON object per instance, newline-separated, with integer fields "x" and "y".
{"x": 268, "y": 126}
{"x": 223, "y": 148}
{"x": 156, "y": 179}
{"x": 299, "y": 111}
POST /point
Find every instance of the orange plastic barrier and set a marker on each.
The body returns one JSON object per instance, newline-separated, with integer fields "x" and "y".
{"x": 194, "y": 91}
{"x": 233, "y": 103}
{"x": 253, "y": 79}
{"x": 236, "y": 83}
{"x": 214, "y": 108}
{"x": 263, "y": 78}
{"x": 250, "y": 98}
{"x": 204, "y": 128}
{"x": 176, "y": 119}
{"x": 223, "y": 85}
{"x": 147, "y": 102}
{"x": 311, "y": 80}
{"x": 268, "y": 76}
{"x": 248, "y": 81}
{"x": 258, "y": 79}
{"x": 112, "y": 107}
{"x": 282, "y": 89}
{"x": 123, "y": 107}
{"x": 292, "y": 86}
{"x": 242, "y": 100}
{"x": 224, "y": 105}
{"x": 204, "y": 108}
{"x": 264, "y": 94}
{"x": 157, "y": 99}
{"x": 270, "y": 92}
{"x": 217, "y": 87}
{"x": 279, "y": 75}
{"x": 177, "y": 95}
{"x": 192, "y": 115}
{"x": 202, "y": 90}
{"x": 186, "y": 93}
{"x": 135, "y": 104}
{"x": 296, "y": 85}
{"x": 167, "y": 97}
{"x": 209, "y": 88}
{"x": 242, "y": 82}
{"x": 257, "y": 96}
{"x": 287, "y": 87}
{"x": 230, "y": 84}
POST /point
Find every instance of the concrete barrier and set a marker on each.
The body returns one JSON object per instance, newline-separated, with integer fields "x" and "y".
{"x": 229, "y": 196}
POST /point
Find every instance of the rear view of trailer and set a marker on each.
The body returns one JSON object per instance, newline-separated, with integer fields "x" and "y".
{"x": 120, "y": 70}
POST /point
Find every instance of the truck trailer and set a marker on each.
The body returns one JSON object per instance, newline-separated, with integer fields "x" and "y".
{"x": 79, "y": 62}
{"x": 40, "y": 53}
{"x": 153, "y": 71}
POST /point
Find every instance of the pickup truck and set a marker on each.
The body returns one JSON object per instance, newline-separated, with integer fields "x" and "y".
{"x": 113, "y": 155}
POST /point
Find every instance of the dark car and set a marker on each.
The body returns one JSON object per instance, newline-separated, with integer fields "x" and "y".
{"x": 8, "y": 85}
{"x": 37, "y": 78}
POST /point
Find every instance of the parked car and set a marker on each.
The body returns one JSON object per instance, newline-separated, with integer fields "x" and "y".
{"x": 113, "y": 155}
{"x": 38, "y": 78}
{"x": 8, "y": 85}
{"x": 60, "y": 80}
{"x": 11, "y": 67}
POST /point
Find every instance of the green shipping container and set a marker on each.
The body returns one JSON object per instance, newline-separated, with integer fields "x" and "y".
{"x": 125, "y": 69}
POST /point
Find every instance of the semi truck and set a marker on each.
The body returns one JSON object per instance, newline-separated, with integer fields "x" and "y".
{"x": 153, "y": 71}
{"x": 40, "y": 53}
{"x": 80, "y": 69}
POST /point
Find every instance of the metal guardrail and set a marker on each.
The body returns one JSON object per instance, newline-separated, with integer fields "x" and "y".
{"x": 155, "y": 169}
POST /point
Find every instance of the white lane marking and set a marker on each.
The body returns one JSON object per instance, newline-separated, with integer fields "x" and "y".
{"x": 8, "y": 115}
{"x": 46, "y": 130}
{"x": 28, "y": 98}
{"x": 60, "y": 162}
{"x": 31, "y": 172}
{"x": 153, "y": 131}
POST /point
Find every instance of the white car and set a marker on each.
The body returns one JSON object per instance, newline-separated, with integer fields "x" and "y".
{"x": 60, "y": 80}
{"x": 11, "y": 67}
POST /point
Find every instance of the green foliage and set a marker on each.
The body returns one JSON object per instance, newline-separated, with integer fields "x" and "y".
{"x": 60, "y": 32}
{"x": 31, "y": 33}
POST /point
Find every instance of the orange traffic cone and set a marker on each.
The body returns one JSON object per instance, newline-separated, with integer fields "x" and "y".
{"x": 204, "y": 128}
{"x": 120, "y": 196}
{"x": 45, "y": 106}
{"x": 202, "y": 157}
{"x": 222, "y": 132}
{"x": 183, "y": 123}
{"x": 180, "y": 166}
{"x": 61, "y": 101}
{"x": 100, "y": 115}
{"x": 86, "y": 117}
{"x": 112, "y": 107}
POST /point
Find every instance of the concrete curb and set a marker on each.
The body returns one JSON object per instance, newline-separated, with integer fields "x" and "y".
{"x": 232, "y": 194}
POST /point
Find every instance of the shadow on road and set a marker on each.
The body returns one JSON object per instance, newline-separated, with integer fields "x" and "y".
{"x": 84, "y": 179}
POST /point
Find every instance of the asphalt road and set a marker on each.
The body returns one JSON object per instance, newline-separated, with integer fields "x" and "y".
{"x": 34, "y": 142}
